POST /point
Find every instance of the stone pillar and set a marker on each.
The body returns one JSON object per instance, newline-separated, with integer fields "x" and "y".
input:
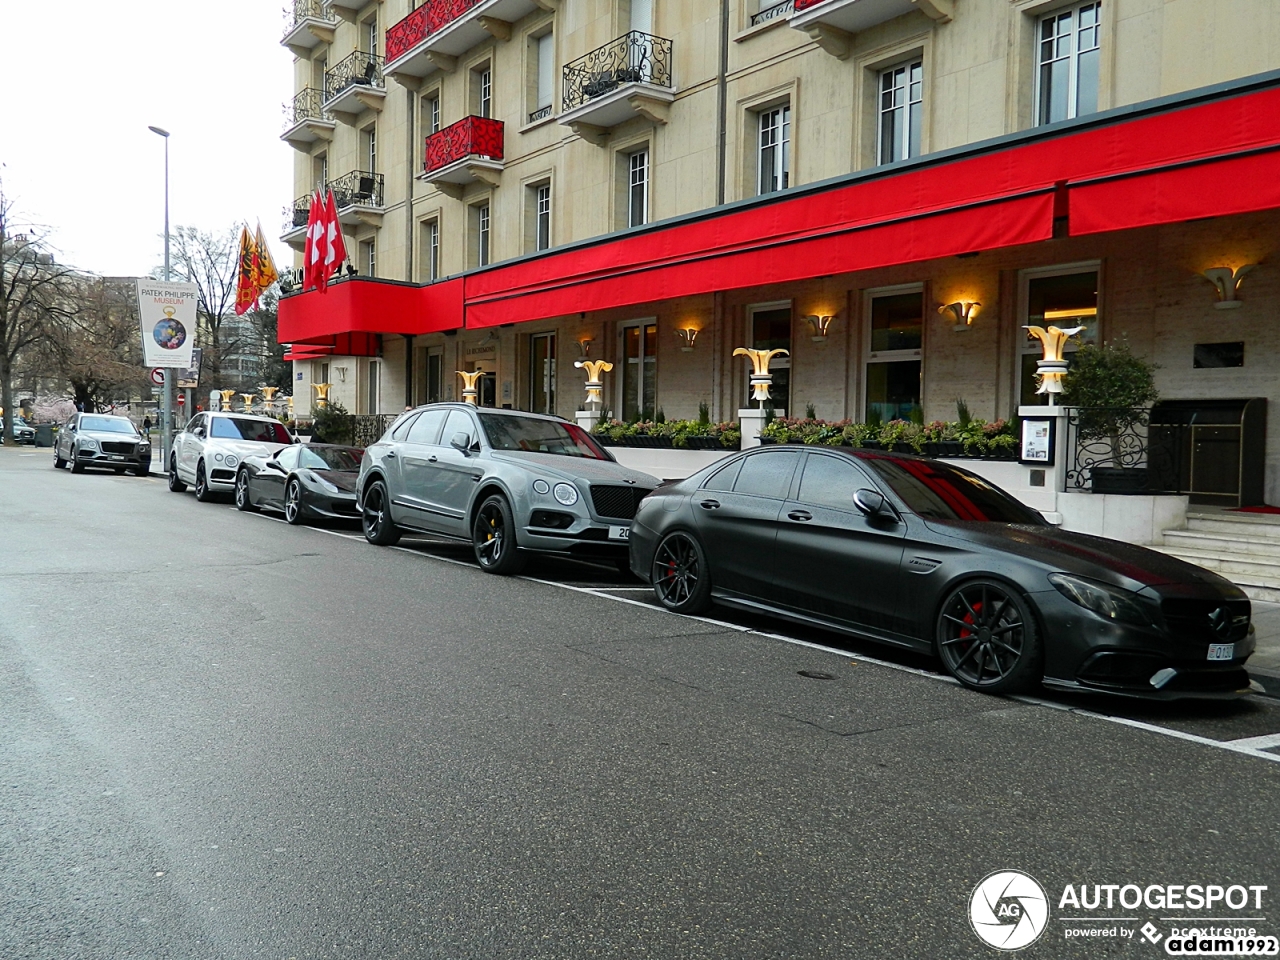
{"x": 587, "y": 419}
{"x": 752, "y": 421}
{"x": 1055, "y": 475}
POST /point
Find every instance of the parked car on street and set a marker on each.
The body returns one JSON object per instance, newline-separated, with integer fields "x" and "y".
{"x": 305, "y": 481}
{"x": 924, "y": 555}
{"x": 101, "y": 440}
{"x": 23, "y": 432}
{"x": 209, "y": 449}
{"x": 509, "y": 482}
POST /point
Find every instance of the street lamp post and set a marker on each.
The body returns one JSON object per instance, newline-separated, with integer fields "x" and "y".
{"x": 166, "y": 412}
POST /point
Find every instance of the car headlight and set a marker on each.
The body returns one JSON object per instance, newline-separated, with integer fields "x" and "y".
{"x": 541, "y": 486}
{"x": 565, "y": 493}
{"x": 217, "y": 457}
{"x": 144, "y": 447}
{"x": 90, "y": 443}
{"x": 232, "y": 459}
{"x": 1110, "y": 603}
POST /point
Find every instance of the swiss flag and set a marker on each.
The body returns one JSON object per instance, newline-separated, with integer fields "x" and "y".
{"x": 313, "y": 259}
{"x": 335, "y": 246}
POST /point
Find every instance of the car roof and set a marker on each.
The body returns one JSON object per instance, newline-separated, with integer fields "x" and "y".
{"x": 108, "y": 416}
{"x": 242, "y": 416}
{"x": 463, "y": 405}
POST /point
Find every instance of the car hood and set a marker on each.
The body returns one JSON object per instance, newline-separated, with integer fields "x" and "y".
{"x": 1111, "y": 561}
{"x": 576, "y": 468}
{"x": 101, "y": 435}
{"x": 243, "y": 448}
{"x": 344, "y": 480}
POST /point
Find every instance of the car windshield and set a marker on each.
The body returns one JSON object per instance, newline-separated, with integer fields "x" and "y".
{"x": 330, "y": 458}
{"x": 236, "y": 428}
{"x": 936, "y": 491}
{"x": 107, "y": 425}
{"x": 535, "y": 435}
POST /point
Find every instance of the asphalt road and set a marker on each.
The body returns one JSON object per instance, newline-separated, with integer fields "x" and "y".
{"x": 224, "y": 737}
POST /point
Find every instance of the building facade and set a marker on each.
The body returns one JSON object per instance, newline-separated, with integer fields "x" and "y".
{"x": 656, "y": 182}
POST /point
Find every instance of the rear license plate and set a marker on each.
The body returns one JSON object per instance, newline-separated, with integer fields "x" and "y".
{"x": 619, "y": 533}
{"x": 1222, "y": 651}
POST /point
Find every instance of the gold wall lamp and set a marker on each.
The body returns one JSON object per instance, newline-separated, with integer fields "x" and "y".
{"x": 820, "y": 325}
{"x": 584, "y": 346}
{"x": 963, "y": 312}
{"x": 1227, "y": 283}
{"x": 688, "y": 336}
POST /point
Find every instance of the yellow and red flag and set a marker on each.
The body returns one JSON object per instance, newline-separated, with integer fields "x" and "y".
{"x": 246, "y": 292}
{"x": 264, "y": 268}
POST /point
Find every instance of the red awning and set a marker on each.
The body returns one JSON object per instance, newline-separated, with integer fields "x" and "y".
{"x": 352, "y": 313}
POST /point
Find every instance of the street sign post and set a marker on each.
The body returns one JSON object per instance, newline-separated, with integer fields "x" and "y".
{"x": 157, "y": 376}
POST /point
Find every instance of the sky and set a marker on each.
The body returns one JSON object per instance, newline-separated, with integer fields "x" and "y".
{"x": 83, "y": 79}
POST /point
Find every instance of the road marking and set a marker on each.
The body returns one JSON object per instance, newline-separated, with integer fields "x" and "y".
{"x": 1266, "y": 742}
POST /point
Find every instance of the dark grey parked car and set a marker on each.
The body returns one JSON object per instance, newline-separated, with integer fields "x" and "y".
{"x": 509, "y": 482}
{"x": 100, "y": 440}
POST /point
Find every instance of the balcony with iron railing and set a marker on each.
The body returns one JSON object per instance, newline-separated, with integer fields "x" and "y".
{"x": 434, "y": 35}
{"x": 468, "y": 151}
{"x": 354, "y": 85}
{"x": 306, "y": 121}
{"x": 358, "y": 196}
{"x": 307, "y": 25}
{"x": 626, "y": 78}
{"x": 770, "y": 12}
{"x": 295, "y": 222}
{"x": 832, "y": 23}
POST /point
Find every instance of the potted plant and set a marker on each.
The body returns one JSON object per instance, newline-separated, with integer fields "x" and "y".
{"x": 1114, "y": 391}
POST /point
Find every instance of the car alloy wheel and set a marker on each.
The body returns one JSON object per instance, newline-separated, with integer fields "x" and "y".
{"x": 493, "y": 538}
{"x": 376, "y": 517}
{"x": 679, "y": 575}
{"x": 175, "y": 485}
{"x": 76, "y": 465}
{"x": 293, "y": 502}
{"x": 58, "y": 462}
{"x": 202, "y": 484}
{"x": 243, "y": 500}
{"x": 987, "y": 638}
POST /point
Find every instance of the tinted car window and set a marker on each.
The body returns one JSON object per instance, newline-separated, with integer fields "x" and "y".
{"x": 98, "y": 425}
{"x": 831, "y": 482}
{"x": 458, "y": 422}
{"x": 939, "y": 492}
{"x": 238, "y": 428}
{"x": 330, "y": 458}
{"x": 535, "y": 435}
{"x": 426, "y": 429}
{"x": 723, "y": 478}
{"x": 401, "y": 429}
{"x": 288, "y": 459}
{"x": 767, "y": 474}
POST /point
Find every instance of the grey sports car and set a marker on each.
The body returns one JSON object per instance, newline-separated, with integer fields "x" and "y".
{"x": 509, "y": 482}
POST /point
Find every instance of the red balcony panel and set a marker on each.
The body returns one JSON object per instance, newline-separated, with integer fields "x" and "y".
{"x": 469, "y": 137}
{"x": 802, "y": 5}
{"x": 426, "y": 20}
{"x": 351, "y": 312}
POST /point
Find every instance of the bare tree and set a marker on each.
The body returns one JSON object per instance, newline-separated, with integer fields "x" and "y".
{"x": 210, "y": 260}
{"x": 35, "y": 293}
{"x": 274, "y": 371}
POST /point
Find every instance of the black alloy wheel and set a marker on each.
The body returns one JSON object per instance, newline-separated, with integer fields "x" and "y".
{"x": 293, "y": 501}
{"x": 58, "y": 462}
{"x": 76, "y": 465}
{"x": 376, "y": 517}
{"x": 243, "y": 500}
{"x": 679, "y": 575}
{"x": 202, "y": 484}
{"x": 493, "y": 538}
{"x": 175, "y": 485}
{"x": 987, "y": 638}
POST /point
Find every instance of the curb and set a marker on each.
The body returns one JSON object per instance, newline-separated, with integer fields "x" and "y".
{"x": 1270, "y": 682}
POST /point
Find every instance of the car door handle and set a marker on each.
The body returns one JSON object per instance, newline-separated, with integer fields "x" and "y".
{"x": 710, "y": 504}
{"x": 432, "y": 460}
{"x": 391, "y": 454}
{"x": 801, "y": 515}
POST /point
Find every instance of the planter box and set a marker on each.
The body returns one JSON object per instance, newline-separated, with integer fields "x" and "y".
{"x": 704, "y": 443}
{"x": 1118, "y": 480}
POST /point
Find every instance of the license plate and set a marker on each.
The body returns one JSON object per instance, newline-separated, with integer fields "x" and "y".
{"x": 1222, "y": 651}
{"x": 115, "y": 457}
{"x": 619, "y": 533}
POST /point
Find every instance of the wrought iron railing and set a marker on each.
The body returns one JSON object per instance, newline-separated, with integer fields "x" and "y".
{"x": 783, "y": 9}
{"x": 361, "y": 188}
{"x": 297, "y": 215}
{"x": 469, "y": 137}
{"x": 358, "y": 70}
{"x": 301, "y": 10}
{"x": 367, "y": 429}
{"x": 634, "y": 57}
{"x": 306, "y": 105}
{"x": 1107, "y": 439}
{"x": 421, "y": 23}
{"x": 540, "y": 114}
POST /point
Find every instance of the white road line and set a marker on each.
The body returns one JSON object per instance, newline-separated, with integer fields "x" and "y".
{"x": 1249, "y": 746}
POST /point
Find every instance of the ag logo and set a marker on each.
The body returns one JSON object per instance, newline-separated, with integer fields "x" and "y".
{"x": 1008, "y": 910}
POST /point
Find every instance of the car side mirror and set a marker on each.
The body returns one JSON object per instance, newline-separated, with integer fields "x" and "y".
{"x": 872, "y": 503}
{"x": 461, "y": 441}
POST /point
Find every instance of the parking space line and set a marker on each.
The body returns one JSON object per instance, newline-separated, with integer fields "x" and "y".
{"x": 1267, "y": 742}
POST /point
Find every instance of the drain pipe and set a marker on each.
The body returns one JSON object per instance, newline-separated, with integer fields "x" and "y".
{"x": 722, "y": 105}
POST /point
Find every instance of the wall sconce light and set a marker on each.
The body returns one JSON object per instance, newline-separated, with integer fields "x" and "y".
{"x": 820, "y": 326}
{"x": 963, "y": 311}
{"x": 1227, "y": 283}
{"x": 584, "y": 346}
{"x": 341, "y": 372}
{"x": 688, "y": 337}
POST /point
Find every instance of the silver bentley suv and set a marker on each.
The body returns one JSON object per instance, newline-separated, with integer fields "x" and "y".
{"x": 509, "y": 482}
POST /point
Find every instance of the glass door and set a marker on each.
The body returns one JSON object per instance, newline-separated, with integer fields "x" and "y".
{"x": 894, "y": 356}
{"x": 770, "y": 329}
{"x": 1063, "y": 298}
{"x": 639, "y": 370}
{"x": 542, "y": 373}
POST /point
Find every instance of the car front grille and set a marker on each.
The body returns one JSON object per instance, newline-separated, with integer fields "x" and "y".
{"x": 116, "y": 446}
{"x": 617, "y": 503}
{"x": 1194, "y": 619}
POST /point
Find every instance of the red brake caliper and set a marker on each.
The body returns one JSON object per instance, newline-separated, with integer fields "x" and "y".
{"x": 968, "y": 618}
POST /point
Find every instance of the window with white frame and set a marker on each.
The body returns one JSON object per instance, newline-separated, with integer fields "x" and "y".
{"x": 895, "y": 351}
{"x": 545, "y": 68}
{"x": 371, "y": 35}
{"x": 542, "y": 217}
{"x": 482, "y": 235}
{"x": 431, "y": 250}
{"x": 431, "y": 113}
{"x": 485, "y": 100}
{"x": 369, "y": 136}
{"x": 1068, "y": 48}
{"x": 901, "y": 111}
{"x": 369, "y": 258}
{"x": 775, "y": 149}
{"x": 638, "y": 188}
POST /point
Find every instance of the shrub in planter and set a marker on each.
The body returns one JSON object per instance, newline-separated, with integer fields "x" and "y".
{"x": 1113, "y": 389}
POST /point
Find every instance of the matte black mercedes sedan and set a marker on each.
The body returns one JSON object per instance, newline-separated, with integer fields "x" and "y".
{"x": 924, "y": 555}
{"x": 307, "y": 481}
